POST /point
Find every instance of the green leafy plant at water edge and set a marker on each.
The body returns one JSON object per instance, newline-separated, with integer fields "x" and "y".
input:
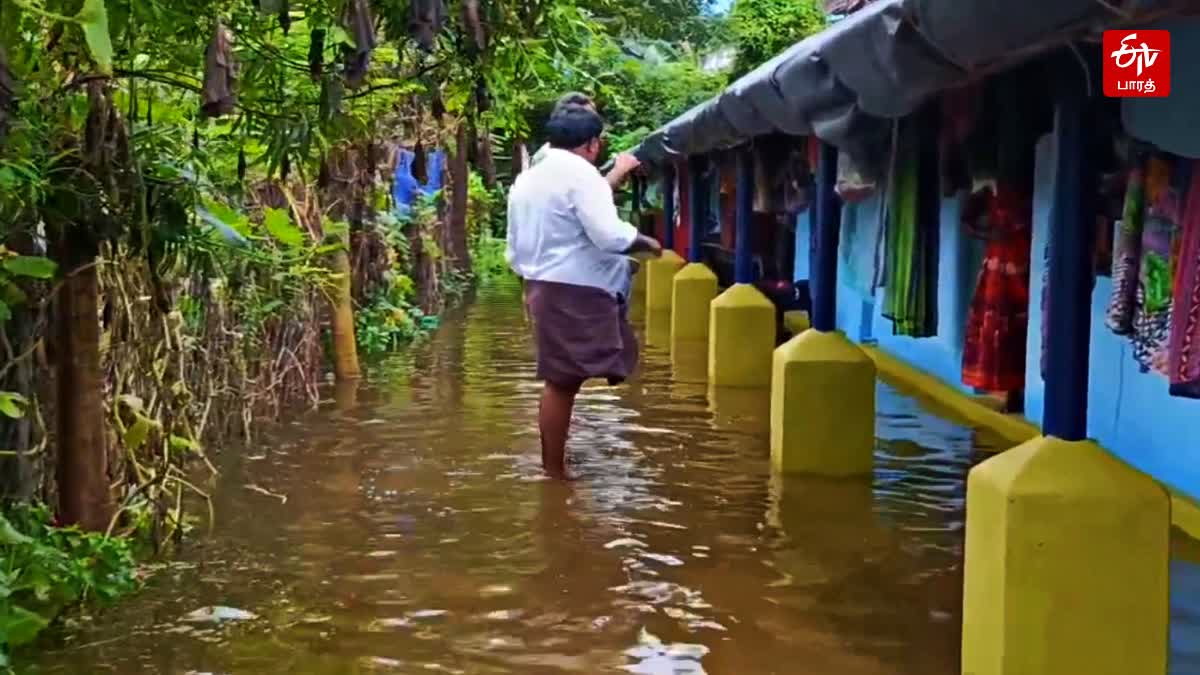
{"x": 486, "y": 212}
{"x": 45, "y": 570}
{"x": 391, "y": 320}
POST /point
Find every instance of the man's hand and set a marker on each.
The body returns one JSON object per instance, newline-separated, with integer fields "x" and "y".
{"x": 623, "y": 165}
{"x": 644, "y": 244}
{"x": 626, "y": 162}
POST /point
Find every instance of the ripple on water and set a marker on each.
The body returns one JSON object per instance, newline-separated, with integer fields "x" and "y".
{"x": 419, "y": 529}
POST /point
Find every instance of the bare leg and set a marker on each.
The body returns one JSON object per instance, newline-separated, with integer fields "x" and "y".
{"x": 554, "y": 420}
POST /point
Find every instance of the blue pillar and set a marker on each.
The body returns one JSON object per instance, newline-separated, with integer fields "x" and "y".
{"x": 828, "y": 229}
{"x": 1070, "y": 274}
{"x": 668, "y": 190}
{"x": 743, "y": 270}
{"x": 698, "y": 198}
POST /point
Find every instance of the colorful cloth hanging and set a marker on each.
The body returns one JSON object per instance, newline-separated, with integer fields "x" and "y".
{"x": 1167, "y": 181}
{"x": 913, "y": 234}
{"x": 998, "y": 319}
{"x": 1127, "y": 255}
{"x": 1184, "y": 357}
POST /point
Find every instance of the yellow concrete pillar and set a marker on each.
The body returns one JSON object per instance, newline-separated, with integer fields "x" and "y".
{"x": 660, "y": 280}
{"x": 637, "y": 294}
{"x": 796, "y": 322}
{"x": 660, "y": 285}
{"x": 695, "y": 289}
{"x": 1066, "y": 564}
{"x": 741, "y": 338}
{"x": 658, "y": 327}
{"x": 822, "y": 406}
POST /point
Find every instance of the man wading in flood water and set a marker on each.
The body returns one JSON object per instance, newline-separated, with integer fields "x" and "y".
{"x": 569, "y": 246}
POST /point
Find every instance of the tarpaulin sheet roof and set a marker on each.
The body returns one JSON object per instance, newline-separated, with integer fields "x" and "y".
{"x": 846, "y": 83}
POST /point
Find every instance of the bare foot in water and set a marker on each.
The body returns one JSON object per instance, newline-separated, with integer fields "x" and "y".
{"x": 561, "y": 475}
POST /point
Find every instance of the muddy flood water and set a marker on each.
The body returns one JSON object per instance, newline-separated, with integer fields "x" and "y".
{"x": 406, "y": 530}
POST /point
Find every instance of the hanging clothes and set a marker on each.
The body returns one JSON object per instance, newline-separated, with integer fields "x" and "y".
{"x": 852, "y": 187}
{"x": 435, "y": 168}
{"x": 1127, "y": 254}
{"x": 797, "y": 192}
{"x": 405, "y": 186}
{"x": 913, "y": 224}
{"x": 683, "y": 207}
{"x": 861, "y": 226}
{"x": 1184, "y": 355}
{"x": 998, "y": 318}
{"x": 727, "y": 196}
{"x": 1167, "y": 181}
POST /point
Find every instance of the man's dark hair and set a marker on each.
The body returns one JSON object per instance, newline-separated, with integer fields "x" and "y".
{"x": 573, "y": 98}
{"x": 572, "y": 126}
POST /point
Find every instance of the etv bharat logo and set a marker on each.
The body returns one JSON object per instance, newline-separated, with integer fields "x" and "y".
{"x": 1137, "y": 63}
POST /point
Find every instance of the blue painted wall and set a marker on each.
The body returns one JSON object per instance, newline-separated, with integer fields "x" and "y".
{"x": 858, "y": 308}
{"x": 1131, "y": 413}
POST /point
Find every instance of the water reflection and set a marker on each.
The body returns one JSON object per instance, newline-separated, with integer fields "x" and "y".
{"x": 406, "y": 529}
{"x": 689, "y": 361}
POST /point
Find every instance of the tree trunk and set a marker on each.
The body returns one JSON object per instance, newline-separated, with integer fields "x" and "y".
{"x": 84, "y": 498}
{"x": 459, "y": 253}
{"x": 487, "y": 162}
{"x": 345, "y": 343}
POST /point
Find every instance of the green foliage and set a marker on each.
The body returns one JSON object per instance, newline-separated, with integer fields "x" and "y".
{"x": 485, "y": 219}
{"x": 15, "y": 270}
{"x": 391, "y": 319}
{"x": 763, "y": 28}
{"x": 12, "y": 405}
{"x": 44, "y": 570}
{"x": 643, "y": 95}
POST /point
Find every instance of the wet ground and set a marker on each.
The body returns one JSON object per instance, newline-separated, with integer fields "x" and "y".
{"x": 405, "y": 529}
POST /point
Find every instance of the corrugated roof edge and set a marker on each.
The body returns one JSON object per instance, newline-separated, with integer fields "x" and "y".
{"x": 846, "y": 83}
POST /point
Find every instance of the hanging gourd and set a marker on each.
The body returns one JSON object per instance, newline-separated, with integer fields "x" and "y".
{"x": 420, "y": 167}
{"x": 316, "y": 53}
{"x": 473, "y": 26}
{"x": 360, "y": 25}
{"x": 8, "y": 93}
{"x": 426, "y": 20}
{"x": 285, "y": 17}
{"x": 219, "y": 95}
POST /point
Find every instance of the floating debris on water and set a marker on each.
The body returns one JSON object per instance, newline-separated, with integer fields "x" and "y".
{"x": 267, "y": 493}
{"x": 625, "y": 543}
{"x": 657, "y": 658}
{"x": 218, "y": 614}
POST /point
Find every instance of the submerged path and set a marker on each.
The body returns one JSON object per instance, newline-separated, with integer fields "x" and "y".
{"x": 407, "y": 530}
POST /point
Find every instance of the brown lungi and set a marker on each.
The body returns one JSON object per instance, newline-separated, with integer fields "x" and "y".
{"x": 581, "y": 332}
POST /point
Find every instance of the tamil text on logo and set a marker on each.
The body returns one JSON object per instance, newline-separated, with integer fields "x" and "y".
{"x": 1137, "y": 63}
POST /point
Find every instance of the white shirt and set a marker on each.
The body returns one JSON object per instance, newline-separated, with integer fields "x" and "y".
{"x": 563, "y": 226}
